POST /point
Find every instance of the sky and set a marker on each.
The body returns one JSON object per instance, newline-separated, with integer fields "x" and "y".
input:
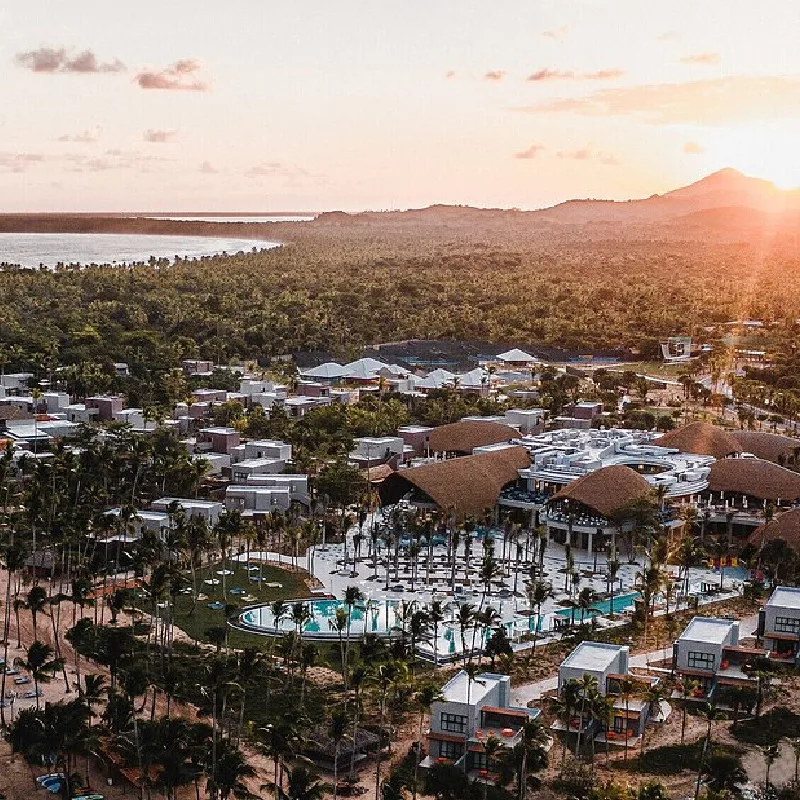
{"x": 255, "y": 105}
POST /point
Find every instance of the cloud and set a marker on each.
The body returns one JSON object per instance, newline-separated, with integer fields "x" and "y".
{"x": 180, "y": 76}
{"x": 531, "y": 152}
{"x": 546, "y": 74}
{"x": 717, "y": 101}
{"x": 89, "y": 136}
{"x": 19, "y": 162}
{"x": 50, "y": 60}
{"x": 207, "y": 168}
{"x": 451, "y": 73}
{"x": 495, "y": 75}
{"x": 668, "y": 36}
{"x": 115, "y": 160}
{"x": 557, "y": 34}
{"x": 693, "y": 149}
{"x": 702, "y": 59}
{"x": 159, "y": 136}
{"x": 587, "y": 154}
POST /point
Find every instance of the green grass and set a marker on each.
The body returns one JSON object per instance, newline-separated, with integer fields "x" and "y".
{"x": 196, "y": 624}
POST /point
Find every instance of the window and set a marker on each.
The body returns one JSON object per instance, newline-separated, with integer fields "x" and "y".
{"x": 787, "y": 625}
{"x": 451, "y": 750}
{"x": 454, "y": 723}
{"x": 699, "y": 660}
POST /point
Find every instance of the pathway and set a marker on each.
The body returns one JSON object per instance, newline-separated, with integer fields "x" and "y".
{"x": 526, "y": 692}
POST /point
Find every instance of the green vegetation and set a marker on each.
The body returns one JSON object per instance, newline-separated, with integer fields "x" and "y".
{"x": 197, "y": 619}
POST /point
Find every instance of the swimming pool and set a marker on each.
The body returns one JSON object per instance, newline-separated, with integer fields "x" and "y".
{"x": 381, "y": 617}
{"x": 603, "y": 607}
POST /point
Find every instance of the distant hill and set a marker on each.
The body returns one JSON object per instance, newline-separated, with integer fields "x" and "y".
{"x": 726, "y": 189}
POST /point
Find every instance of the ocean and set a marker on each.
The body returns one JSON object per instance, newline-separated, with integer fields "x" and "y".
{"x": 50, "y": 249}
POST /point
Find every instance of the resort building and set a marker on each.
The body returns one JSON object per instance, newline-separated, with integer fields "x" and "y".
{"x": 607, "y": 666}
{"x": 701, "y": 438}
{"x": 782, "y": 450}
{"x": 467, "y": 485}
{"x": 779, "y": 625}
{"x": 708, "y": 656}
{"x": 560, "y": 457}
{"x": 785, "y": 527}
{"x": 373, "y": 450}
{"x": 461, "y": 438}
{"x": 471, "y": 711}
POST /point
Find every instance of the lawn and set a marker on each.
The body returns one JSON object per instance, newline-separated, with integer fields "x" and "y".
{"x": 196, "y": 624}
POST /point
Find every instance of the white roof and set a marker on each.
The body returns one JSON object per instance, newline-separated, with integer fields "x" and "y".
{"x": 257, "y": 462}
{"x": 457, "y": 688}
{"x": 364, "y": 367}
{"x": 593, "y": 656}
{"x": 330, "y": 369}
{"x": 474, "y": 377}
{"x": 707, "y": 629}
{"x": 516, "y": 355}
{"x": 785, "y": 597}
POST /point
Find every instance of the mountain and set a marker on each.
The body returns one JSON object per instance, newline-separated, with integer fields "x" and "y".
{"x": 726, "y": 189}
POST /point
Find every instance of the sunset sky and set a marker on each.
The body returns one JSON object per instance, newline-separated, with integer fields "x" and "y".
{"x": 259, "y": 105}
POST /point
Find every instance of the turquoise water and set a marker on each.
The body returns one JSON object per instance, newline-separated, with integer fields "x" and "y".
{"x": 376, "y": 616}
{"x": 603, "y": 607}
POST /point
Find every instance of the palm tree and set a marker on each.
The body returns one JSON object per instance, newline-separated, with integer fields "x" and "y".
{"x": 586, "y": 685}
{"x": 38, "y": 662}
{"x": 436, "y": 617}
{"x": 537, "y": 592}
{"x": 491, "y": 747}
{"x": 228, "y": 779}
{"x": 710, "y": 713}
{"x": 337, "y": 729}
{"x": 358, "y": 676}
{"x": 586, "y": 599}
{"x": 770, "y": 753}
{"x": 425, "y": 697}
{"x": 352, "y": 595}
{"x": 465, "y": 618}
{"x": 472, "y": 671}
{"x": 653, "y": 696}
{"x": 303, "y": 785}
{"x": 340, "y": 623}
{"x": 626, "y": 689}
{"x": 36, "y": 602}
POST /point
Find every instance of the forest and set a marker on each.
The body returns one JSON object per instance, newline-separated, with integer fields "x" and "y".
{"x": 334, "y": 288}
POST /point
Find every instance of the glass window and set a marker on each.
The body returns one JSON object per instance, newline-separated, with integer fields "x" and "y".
{"x": 451, "y": 750}
{"x": 454, "y": 723}
{"x": 787, "y": 625}
{"x": 699, "y": 660}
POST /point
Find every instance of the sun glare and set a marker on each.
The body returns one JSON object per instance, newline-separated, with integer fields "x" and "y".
{"x": 764, "y": 151}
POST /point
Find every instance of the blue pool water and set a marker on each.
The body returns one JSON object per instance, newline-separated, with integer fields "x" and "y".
{"x": 376, "y": 616}
{"x": 603, "y": 607}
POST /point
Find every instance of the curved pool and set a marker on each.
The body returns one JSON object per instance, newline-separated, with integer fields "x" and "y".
{"x": 380, "y": 617}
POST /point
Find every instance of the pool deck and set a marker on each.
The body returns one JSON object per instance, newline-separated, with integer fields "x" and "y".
{"x": 329, "y": 569}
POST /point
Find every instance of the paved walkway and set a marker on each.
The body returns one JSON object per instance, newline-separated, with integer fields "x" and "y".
{"x": 525, "y": 693}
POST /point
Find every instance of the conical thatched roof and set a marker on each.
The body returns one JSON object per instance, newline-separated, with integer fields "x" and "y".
{"x": 754, "y": 477}
{"x": 465, "y": 436}
{"x": 606, "y": 490}
{"x": 466, "y": 485}
{"x": 786, "y": 527}
{"x": 769, "y": 446}
{"x": 701, "y": 439}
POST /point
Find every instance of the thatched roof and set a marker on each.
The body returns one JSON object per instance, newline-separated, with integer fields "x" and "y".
{"x": 465, "y": 436}
{"x": 13, "y": 413}
{"x": 466, "y": 485}
{"x": 754, "y": 477}
{"x": 769, "y": 446}
{"x": 786, "y": 526}
{"x": 701, "y": 439}
{"x": 606, "y": 490}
